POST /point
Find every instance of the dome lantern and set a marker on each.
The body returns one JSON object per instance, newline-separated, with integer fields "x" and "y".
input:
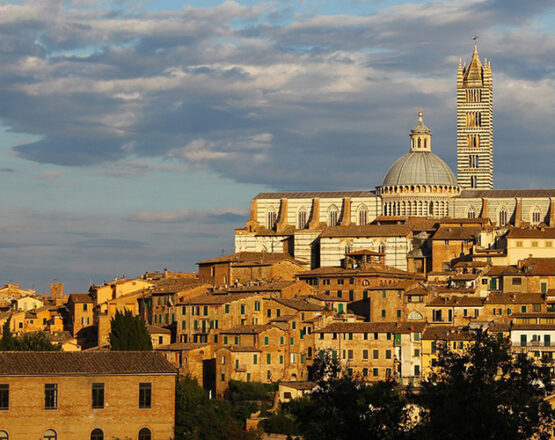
{"x": 420, "y": 136}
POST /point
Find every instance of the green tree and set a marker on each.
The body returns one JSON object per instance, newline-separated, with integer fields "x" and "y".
{"x": 7, "y": 342}
{"x": 342, "y": 407}
{"x": 199, "y": 418}
{"x": 485, "y": 392}
{"x": 129, "y": 332}
{"x": 35, "y": 341}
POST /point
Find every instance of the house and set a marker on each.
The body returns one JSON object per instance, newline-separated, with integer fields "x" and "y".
{"x": 98, "y": 395}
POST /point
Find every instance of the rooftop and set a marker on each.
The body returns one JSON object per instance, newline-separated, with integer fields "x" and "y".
{"x": 48, "y": 363}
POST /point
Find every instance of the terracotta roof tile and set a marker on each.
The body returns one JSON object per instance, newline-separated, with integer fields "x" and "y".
{"x": 457, "y": 233}
{"x": 506, "y": 193}
{"x": 44, "y": 363}
{"x": 531, "y": 233}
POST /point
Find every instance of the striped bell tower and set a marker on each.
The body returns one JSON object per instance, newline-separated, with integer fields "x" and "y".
{"x": 475, "y": 124}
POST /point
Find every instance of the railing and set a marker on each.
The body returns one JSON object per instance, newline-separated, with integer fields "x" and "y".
{"x": 532, "y": 344}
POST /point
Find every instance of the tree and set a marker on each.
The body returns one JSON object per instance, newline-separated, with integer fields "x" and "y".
{"x": 485, "y": 392}
{"x": 343, "y": 407}
{"x": 199, "y": 418}
{"x": 129, "y": 332}
{"x": 34, "y": 341}
{"x": 7, "y": 342}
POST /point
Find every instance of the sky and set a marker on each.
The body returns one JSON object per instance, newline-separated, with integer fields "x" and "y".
{"x": 133, "y": 134}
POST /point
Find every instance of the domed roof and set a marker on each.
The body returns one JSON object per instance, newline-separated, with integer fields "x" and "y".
{"x": 419, "y": 168}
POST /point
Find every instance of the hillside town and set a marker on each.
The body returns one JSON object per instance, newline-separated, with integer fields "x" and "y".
{"x": 380, "y": 279}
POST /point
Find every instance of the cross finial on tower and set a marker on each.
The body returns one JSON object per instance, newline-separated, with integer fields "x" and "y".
{"x": 420, "y": 114}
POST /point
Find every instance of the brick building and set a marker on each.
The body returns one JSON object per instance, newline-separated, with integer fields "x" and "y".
{"x": 96, "y": 395}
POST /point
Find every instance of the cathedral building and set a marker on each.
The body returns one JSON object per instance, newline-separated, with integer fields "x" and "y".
{"x": 321, "y": 227}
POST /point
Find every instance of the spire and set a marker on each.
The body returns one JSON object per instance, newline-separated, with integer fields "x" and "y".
{"x": 473, "y": 75}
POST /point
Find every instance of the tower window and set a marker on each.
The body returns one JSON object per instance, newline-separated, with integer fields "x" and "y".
{"x": 473, "y": 182}
{"x": 473, "y": 161}
{"x": 472, "y": 212}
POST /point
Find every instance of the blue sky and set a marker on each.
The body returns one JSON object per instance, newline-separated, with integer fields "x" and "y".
{"x": 134, "y": 134}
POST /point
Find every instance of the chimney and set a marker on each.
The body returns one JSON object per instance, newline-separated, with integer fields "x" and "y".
{"x": 518, "y": 213}
{"x": 346, "y": 220}
{"x": 282, "y": 223}
{"x": 315, "y": 217}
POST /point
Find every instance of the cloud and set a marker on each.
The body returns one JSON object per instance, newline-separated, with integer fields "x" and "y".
{"x": 50, "y": 175}
{"x": 312, "y": 100}
{"x": 109, "y": 243}
{"x": 223, "y": 215}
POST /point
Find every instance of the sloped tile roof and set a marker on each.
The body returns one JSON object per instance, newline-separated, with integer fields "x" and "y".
{"x": 44, "y": 363}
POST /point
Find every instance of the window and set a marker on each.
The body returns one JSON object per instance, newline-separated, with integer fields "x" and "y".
{"x": 332, "y": 215}
{"x": 51, "y": 396}
{"x": 266, "y": 340}
{"x": 417, "y": 370}
{"x": 517, "y": 281}
{"x": 536, "y": 216}
{"x": 257, "y": 306}
{"x": 3, "y": 435}
{"x": 145, "y": 434}
{"x": 534, "y": 244}
{"x": 364, "y": 354}
{"x": 503, "y": 217}
{"x": 242, "y": 309}
{"x": 145, "y": 395}
{"x": 293, "y": 358}
{"x": 383, "y": 313}
{"x": 4, "y": 397}
{"x": 375, "y": 372}
{"x": 268, "y": 358}
{"x": 49, "y": 434}
{"x": 362, "y": 215}
{"x": 302, "y": 219}
{"x": 388, "y": 354}
{"x": 271, "y": 218}
{"x": 523, "y": 309}
{"x": 227, "y": 308}
{"x": 97, "y": 395}
{"x": 97, "y": 434}
{"x": 536, "y": 307}
{"x": 350, "y": 354}
{"x": 471, "y": 212}
{"x": 255, "y": 359}
{"x": 376, "y": 354}
{"x": 473, "y": 182}
{"x": 365, "y": 372}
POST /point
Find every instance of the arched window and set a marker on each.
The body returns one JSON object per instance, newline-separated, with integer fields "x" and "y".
{"x": 4, "y": 435}
{"x": 536, "y": 216}
{"x": 97, "y": 434}
{"x": 473, "y": 182}
{"x": 271, "y": 218}
{"x": 145, "y": 434}
{"x": 332, "y": 215}
{"x": 365, "y": 283}
{"x": 503, "y": 217}
{"x": 414, "y": 316}
{"x": 302, "y": 219}
{"x": 471, "y": 212}
{"x": 50, "y": 434}
{"x": 362, "y": 215}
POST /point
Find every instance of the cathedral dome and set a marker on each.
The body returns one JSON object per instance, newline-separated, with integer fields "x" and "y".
{"x": 419, "y": 168}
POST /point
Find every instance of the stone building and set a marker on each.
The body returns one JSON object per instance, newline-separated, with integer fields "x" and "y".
{"x": 86, "y": 395}
{"x": 418, "y": 184}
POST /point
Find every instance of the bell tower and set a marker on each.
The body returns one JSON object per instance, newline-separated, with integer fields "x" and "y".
{"x": 475, "y": 124}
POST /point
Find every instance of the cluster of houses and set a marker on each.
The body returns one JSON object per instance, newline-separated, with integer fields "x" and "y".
{"x": 260, "y": 316}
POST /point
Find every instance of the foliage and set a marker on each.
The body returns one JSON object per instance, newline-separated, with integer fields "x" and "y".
{"x": 281, "y": 423}
{"x": 200, "y": 418}
{"x": 129, "y": 332}
{"x": 249, "y": 397}
{"x": 485, "y": 392}
{"x": 34, "y": 341}
{"x": 342, "y": 407}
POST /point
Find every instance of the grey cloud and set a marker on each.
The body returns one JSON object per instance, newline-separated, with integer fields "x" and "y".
{"x": 337, "y": 94}
{"x": 109, "y": 243}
